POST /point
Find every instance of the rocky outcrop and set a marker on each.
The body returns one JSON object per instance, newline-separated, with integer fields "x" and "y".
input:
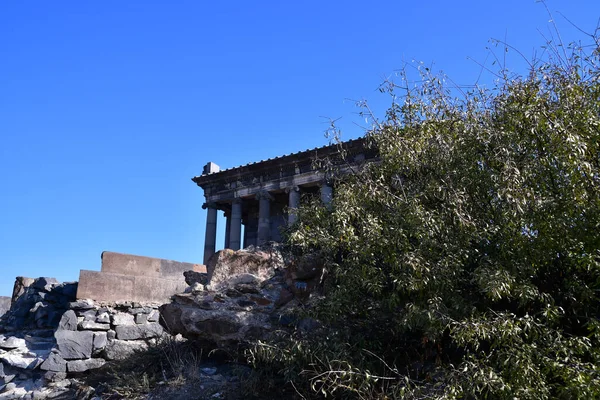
{"x": 226, "y": 265}
{"x": 251, "y": 294}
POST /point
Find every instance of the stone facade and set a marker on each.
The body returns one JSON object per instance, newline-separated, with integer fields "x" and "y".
{"x": 262, "y": 196}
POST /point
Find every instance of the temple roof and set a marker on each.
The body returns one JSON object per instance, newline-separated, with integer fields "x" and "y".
{"x": 353, "y": 146}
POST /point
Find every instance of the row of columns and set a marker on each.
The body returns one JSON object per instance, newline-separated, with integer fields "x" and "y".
{"x": 233, "y": 229}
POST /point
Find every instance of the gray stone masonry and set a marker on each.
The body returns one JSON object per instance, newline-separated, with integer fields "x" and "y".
{"x": 4, "y": 305}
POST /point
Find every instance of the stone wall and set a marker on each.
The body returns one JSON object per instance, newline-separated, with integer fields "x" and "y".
{"x": 48, "y": 335}
{"x": 126, "y": 277}
{"x": 128, "y": 264}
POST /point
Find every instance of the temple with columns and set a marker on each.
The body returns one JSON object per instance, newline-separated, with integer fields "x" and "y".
{"x": 263, "y": 196}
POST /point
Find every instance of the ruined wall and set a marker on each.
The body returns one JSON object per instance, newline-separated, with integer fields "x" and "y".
{"x": 47, "y": 334}
{"x": 126, "y": 277}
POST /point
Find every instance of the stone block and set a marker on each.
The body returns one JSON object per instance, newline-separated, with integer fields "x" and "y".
{"x": 141, "y": 318}
{"x": 103, "y": 318}
{"x": 85, "y": 365}
{"x": 88, "y": 315}
{"x": 54, "y": 363}
{"x": 121, "y": 349}
{"x": 84, "y": 304}
{"x": 93, "y": 326}
{"x": 137, "y": 332}
{"x": 100, "y": 341}
{"x": 121, "y": 318}
{"x": 68, "y": 321}
{"x": 74, "y": 344}
{"x": 128, "y": 264}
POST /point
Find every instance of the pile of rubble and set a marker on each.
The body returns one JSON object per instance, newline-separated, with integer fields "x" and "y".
{"x": 48, "y": 337}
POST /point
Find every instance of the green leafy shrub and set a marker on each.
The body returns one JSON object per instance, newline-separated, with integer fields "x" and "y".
{"x": 466, "y": 262}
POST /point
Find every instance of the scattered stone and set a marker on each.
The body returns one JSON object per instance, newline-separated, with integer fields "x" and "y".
{"x": 13, "y": 343}
{"x": 121, "y": 318}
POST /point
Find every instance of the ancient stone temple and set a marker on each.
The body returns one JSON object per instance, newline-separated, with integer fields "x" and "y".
{"x": 262, "y": 196}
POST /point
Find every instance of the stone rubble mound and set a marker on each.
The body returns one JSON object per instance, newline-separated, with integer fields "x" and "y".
{"x": 48, "y": 337}
{"x": 247, "y": 295}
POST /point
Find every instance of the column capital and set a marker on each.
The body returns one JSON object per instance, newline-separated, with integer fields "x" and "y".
{"x": 263, "y": 194}
{"x": 237, "y": 200}
{"x": 209, "y": 204}
{"x": 292, "y": 189}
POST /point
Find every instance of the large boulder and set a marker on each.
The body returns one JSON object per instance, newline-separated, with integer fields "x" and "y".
{"x": 244, "y": 308}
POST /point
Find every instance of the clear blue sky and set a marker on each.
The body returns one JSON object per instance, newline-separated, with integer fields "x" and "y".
{"x": 108, "y": 108}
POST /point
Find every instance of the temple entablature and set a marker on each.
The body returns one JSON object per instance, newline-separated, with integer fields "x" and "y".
{"x": 262, "y": 196}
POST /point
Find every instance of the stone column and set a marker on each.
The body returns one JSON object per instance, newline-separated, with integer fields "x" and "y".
{"x": 210, "y": 237}
{"x": 235, "y": 229}
{"x": 326, "y": 194}
{"x": 227, "y": 228}
{"x": 264, "y": 217}
{"x": 293, "y": 203}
